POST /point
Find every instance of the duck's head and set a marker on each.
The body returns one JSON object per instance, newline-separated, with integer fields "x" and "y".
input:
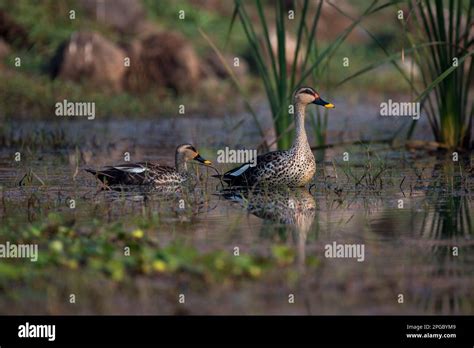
{"x": 189, "y": 152}
{"x": 307, "y": 95}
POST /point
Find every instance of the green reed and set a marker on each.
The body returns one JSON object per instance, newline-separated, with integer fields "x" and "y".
{"x": 279, "y": 77}
{"x": 446, "y": 67}
{"x": 441, "y": 45}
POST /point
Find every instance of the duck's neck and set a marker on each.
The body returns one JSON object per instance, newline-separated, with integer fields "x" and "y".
{"x": 180, "y": 163}
{"x": 301, "y": 140}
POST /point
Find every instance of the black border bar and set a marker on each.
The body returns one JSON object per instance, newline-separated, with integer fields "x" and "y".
{"x": 289, "y": 330}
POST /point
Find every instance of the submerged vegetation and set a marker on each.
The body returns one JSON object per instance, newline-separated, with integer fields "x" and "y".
{"x": 118, "y": 251}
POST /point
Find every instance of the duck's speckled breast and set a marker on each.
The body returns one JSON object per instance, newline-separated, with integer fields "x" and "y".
{"x": 304, "y": 167}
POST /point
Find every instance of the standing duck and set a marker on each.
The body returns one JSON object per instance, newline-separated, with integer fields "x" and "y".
{"x": 294, "y": 167}
{"x": 148, "y": 173}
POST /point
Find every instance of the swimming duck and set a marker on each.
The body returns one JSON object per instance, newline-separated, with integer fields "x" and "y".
{"x": 294, "y": 167}
{"x": 148, "y": 173}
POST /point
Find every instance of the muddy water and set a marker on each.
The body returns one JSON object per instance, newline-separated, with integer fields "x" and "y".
{"x": 410, "y": 211}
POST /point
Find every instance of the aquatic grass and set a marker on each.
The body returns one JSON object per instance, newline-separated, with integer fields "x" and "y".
{"x": 29, "y": 179}
{"x": 446, "y": 68}
{"x": 280, "y": 78}
{"x": 367, "y": 173}
{"x": 34, "y": 139}
{"x": 441, "y": 46}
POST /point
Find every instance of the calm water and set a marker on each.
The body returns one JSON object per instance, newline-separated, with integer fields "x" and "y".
{"x": 407, "y": 209}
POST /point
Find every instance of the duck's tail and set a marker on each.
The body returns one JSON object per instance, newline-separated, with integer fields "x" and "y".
{"x": 97, "y": 173}
{"x": 92, "y": 171}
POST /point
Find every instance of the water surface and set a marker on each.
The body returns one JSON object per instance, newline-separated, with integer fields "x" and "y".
{"x": 412, "y": 212}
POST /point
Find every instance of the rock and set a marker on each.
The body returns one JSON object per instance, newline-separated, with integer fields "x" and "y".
{"x": 92, "y": 59}
{"x": 122, "y": 15}
{"x": 145, "y": 29}
{"x": 164, "y": 59}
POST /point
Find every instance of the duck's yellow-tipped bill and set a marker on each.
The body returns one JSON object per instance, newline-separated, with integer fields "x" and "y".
{"x": 202, "y": 160}
{"x": 320, "y": 101}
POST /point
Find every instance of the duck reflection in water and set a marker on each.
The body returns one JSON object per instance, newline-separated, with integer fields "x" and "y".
{"x": 290, "y": 207}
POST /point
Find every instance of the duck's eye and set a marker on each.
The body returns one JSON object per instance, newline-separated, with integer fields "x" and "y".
{"x": 308, "y": 91}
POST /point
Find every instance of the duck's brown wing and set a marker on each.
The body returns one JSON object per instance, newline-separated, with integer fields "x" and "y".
{"x": 142, "y": 173}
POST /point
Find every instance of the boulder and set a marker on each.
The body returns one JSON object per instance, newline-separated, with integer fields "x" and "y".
{"x": 163, "y": 59}
{"x": 90, "y": 58}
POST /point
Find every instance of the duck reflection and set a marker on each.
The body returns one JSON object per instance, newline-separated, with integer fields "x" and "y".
{"x": 180, "y": 202}
{"x": 290, "y": 207}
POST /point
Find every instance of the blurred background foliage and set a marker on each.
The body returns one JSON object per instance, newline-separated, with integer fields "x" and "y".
{"x": 46, "y": 26}
{"x": 184, "y": 51}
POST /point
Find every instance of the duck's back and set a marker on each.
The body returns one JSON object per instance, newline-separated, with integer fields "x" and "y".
{"x": 144, "y": 173}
